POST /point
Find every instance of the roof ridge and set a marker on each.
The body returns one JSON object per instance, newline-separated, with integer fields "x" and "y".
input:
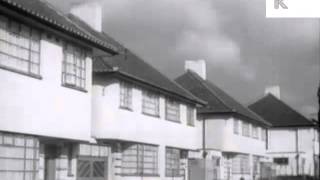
{"x": 214, "y": 93}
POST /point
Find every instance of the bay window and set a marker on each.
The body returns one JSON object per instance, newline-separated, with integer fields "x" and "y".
{"x": 19, "y": 47}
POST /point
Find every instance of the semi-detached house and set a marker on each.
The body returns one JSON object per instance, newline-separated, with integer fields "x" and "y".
{"x": 234, "y": 136}
{"x": 46, "y": 93}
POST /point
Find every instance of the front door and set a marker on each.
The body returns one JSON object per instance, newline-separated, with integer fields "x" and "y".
{"x": 50, "y": 162}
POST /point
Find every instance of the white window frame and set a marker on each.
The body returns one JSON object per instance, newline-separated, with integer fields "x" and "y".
{"x": 19, "y": 48}
{"x": 245, "y": 129}
{"x": 139, "y": 159}
{"x": 190, "y": 116}
{"x": 125, "y": 95}
{"x": 74, "y": 67}
{"x": 263, "y": 134}
{"x": 172, "y": 110}
{"x": 255, "y": 131}
{"x": 236, "y": 124}
{"x": 173, "y": 162}
{"x": 150, "y": 103}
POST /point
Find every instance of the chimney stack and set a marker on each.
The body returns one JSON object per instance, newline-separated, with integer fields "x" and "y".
{"x": 274, "y": 90}
{"x": 90, "y": 12}
{"x": 197, "y": 66}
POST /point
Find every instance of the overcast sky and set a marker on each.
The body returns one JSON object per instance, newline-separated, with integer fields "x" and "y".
{"x": 244, "y": 51}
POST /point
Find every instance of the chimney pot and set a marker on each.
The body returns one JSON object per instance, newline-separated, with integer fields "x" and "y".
{"x": 274, "y": 90}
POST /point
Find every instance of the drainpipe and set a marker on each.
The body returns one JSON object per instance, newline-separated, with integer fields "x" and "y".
{"x": 297, "y": 150}
{"x": 204, "y": 153}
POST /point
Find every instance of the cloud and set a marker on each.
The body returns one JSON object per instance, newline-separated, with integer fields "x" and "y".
{"x": 243, "y": 49}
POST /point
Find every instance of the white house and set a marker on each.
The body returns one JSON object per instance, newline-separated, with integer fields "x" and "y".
{"x": 46, "y": 92}
{"x": 234, "y": 136}
{"x": 293, "y": 140}
{"x": 148, "y": 120}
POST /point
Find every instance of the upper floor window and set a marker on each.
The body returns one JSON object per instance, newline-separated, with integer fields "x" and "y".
{"x": 190, "y": 116}
{"x": 19, "y": 47}
{"x": 281, "y": 161}
{"x": 125, "y": 95}
{"x": 172, "y": 110}
{"x": 139, "y": 159}
{"x": 74, "y": 67}
{"x": 245, "y": 129}
{"x": 263, "y": 134}
{"x": 150, "y": 103}
{"x": 255, "y": 131}
{"x": 236, "y": 126}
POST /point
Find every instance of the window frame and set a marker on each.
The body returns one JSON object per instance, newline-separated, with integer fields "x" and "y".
{"x": 263, "y": 134}
{"x": 79, "y": 63}
{"x": 236, "y": 126}
{"x": 172, "y": 159}
{"x": 25, "y": 147}
{"x": 283, "y": 161}
{"x": 255, "y": 131}
{"x": 244, "y": 132}
{"x": 33, "y": 35}
{"x": 172, "y": 105}
{"x": 191, "y": 116}
{"x": 126, "y": 91}
{"x": 149, "y": 97}
{"x": 138, "y": 151}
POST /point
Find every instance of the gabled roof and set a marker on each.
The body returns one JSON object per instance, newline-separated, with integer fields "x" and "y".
{"x": 218, "y": 101}
{"x": 278, "y": 113}
{"x": 46, "y": 14}
{"x": 128, "y": 64}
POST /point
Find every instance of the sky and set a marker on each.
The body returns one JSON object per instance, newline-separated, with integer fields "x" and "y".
{"x": 244, "y": 51}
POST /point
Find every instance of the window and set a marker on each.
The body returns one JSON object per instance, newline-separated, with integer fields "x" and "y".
{"x": 263, "y": 134}
{"x": 19, "y": 47}
{"x": 245, "y": 129}
{"x": 172, "y": 110}
{"x": 74, "y": 67}
{"x": 255, "y": 131}
{"x": 125, "y": 96}
{"x": 92, "y": 161}
{"x": 281, "y": 161}
{"x": 173, "y": 157}
{"x": 236, "y": 126}
{"x": 150, "y": 103}
{"x": 190, "y": 116}
{"x": 139, "y": 159}
{"x": 19, "y": 157}
{"x": 240, "y": 164}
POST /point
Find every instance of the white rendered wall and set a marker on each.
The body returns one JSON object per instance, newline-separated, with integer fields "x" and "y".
{"x": 220, "y": 136}
{"x": 282, "y": 143}
{"x": 44, "y": 107}
{"x": 112, "y": 122}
